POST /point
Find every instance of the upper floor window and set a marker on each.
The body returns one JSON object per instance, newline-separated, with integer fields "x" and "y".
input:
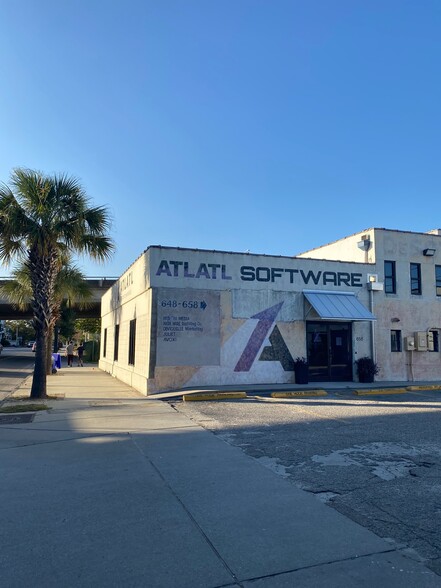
{"x": 390, "y": 282}
{"x": 438, "y": 279}
{"x": 415, "y": 278}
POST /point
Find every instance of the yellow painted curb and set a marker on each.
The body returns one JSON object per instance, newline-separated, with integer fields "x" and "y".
{"x": 300, "y": 393}
{"x": 379, "y": 391}
{"x": 214, "y": 396}
{"x": 432, "y": 387}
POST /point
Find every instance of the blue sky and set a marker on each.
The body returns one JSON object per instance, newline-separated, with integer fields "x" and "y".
{"x": 271, "y": 126}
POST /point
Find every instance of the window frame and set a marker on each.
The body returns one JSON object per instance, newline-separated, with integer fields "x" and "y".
{"x": 396, "y": 341}
{"x": 435, "y": 333}
{"x": 390, "y": 278}
{"x": 415, "y": 281}
{"x": 116, "y": 343}
{"x": 132, "y": 342}
{"x": 105, "y": 343}
{"x": 438, "y": 280}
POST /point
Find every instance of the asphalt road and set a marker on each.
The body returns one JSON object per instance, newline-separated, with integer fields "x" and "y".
{"x": 15, "y": 365}
{"x": 377, "y": 460}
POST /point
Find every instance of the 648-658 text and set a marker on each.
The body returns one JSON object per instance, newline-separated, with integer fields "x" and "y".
{"x": 184, "y": 304}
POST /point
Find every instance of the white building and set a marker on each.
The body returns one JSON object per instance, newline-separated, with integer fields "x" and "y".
{"x": 182, "y": 318}
{"x": 408, "y": 310}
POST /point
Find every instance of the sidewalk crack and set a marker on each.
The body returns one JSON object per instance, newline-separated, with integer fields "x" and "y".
{"x": 189, "y": 514}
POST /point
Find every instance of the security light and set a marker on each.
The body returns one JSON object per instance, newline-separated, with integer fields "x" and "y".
{"x": 429, "y": 252}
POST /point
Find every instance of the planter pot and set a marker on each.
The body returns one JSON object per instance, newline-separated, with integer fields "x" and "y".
{"x": 366, "y": 378}
{"x": 301, "y": 374}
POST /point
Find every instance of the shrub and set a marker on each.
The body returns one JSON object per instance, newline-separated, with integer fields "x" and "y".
{"x": 366, "y": 369}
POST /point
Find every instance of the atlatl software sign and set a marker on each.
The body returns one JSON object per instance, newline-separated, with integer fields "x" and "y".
{"x": 219, "y": 272}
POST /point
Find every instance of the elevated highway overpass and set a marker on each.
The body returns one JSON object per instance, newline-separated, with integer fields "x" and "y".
{"x": 98, "y": 286}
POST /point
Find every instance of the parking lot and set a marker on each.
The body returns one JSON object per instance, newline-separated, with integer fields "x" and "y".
{"x": 375, "y": 459}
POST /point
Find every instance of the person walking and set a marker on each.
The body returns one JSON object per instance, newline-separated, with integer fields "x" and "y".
{"x": 70, "y": 353}
{"x": 80, "y": 351}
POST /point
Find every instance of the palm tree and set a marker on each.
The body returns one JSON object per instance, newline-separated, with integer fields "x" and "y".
{"x": 43, "y": 218}
{"x": 70, "y": 287}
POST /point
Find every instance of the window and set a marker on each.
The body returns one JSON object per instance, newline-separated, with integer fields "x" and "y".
{"x": 438, "y": 279}
{"x": 132, "y": 337}
{"x": 433, "y": 340}
{"x": 415, "y": 278}
{"x": 395, "y": 340}
{"x": 105, "y": 343}
{"x": 390, "y": 285}
{"x": 116, "y": 343}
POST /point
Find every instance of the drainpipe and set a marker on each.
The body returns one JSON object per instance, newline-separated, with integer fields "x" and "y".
{"x": 373, "y": 347}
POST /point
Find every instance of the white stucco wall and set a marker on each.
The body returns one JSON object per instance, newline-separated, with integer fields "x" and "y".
{"x": 129, "y": 298}
{"x": 415, "y": 312}
{"x": 345, "y": 249}
{"x": 236, "y": 287}
{"x": 197, "y": 312}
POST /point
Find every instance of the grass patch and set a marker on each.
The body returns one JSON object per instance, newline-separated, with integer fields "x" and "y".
{"x": 26, "y": 398}
{"x": 24, "y": 408}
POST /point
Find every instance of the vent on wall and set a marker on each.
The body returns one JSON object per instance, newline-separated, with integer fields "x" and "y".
{"x": 365, "y": 243}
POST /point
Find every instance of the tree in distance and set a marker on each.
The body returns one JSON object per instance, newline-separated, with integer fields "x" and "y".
{"x": 43, "y": 218}
{"x": 70, "y": 286}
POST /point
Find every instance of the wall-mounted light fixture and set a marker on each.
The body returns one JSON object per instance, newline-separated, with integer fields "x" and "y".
{"x": 395, "y": 319}
{"x": 429, "y": 252}
{"x": 373, "y": 284}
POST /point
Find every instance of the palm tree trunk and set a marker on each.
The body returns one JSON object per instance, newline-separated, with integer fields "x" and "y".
{"x": 39, "y": 389}
{"x": 43, "y": 271}
{"x": 49, "y": 353}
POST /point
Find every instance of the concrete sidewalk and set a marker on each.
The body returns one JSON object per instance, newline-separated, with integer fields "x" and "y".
{"x": 110, "y": 488}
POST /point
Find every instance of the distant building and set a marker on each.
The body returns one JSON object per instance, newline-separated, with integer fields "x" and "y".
{"x": 181, "y": 318}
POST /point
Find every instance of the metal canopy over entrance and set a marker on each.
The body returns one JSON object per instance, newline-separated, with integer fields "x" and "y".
{"x": 338, "y": 306}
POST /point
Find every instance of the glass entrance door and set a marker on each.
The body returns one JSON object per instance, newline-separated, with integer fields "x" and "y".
{"x": 329, "y": 351}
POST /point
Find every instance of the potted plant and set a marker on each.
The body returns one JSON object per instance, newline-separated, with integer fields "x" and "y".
{"x": 366, "y": 369}
{"x": 301, "y": 370}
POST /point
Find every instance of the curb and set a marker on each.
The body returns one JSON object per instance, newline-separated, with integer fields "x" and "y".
{"x": 380, "y": 391}
{"x": 299, "y": 393}
{"x": 433, "y": 387}
{"x": 213, "y": 396}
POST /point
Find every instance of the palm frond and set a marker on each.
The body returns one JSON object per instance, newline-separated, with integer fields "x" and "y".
{"x": 14, "y": 225}
{"x": 18, "y": 290}
{"x": 72, "y": 286}
{"x": 99, "y": 248}
{"x": 31, "y": 190}
{"x": 51, "y": 215}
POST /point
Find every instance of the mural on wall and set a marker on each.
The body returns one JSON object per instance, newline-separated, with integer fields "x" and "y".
{"x": 188, "y": 327}
{"x": 257, "y": 352}
{"x": 265, "y": 320}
